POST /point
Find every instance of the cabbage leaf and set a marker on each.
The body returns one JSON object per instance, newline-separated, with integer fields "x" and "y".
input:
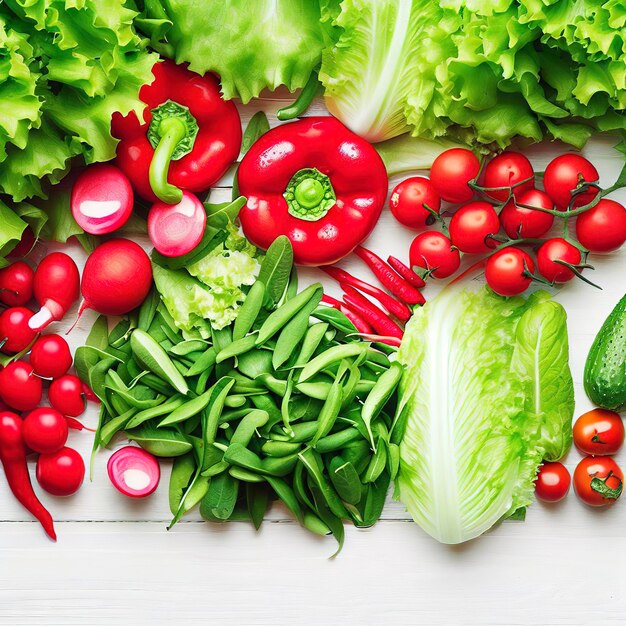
{"x": 487, "y": 395}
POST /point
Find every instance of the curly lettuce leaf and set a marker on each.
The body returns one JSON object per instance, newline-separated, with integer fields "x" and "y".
{"x": 11, "y": 229}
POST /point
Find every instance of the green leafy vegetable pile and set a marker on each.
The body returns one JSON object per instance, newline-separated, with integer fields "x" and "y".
{"x": 271, "y": 407}
{"x": 480, "y": 71}
{"x": 484, "y": 399}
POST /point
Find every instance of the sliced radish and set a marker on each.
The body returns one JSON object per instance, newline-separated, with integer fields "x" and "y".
{"x": 102, "y": 199}
{"x": 134, "y": 472}
{"x": 176, "y": 229}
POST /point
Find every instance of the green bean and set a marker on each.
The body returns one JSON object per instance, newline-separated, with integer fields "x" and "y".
{"x": 187, "y": 410}
{"x": 286, "y": 311}
{"x": 241, "y": 346}
{"x": 118, "y": 405}
{"x": 329, "y": 357}
{"x": 311, "y": 342}
{"x": 280, "y": 448}
{"x": 379, "y": 396}
{"x": 168, "y": 321}
{"x": 249, "y": 311}
{"x": 203, "y": 381}
{"x": 150, "y": 355}
{"x": 205, "y": 362}
{"x": 336, "y": 441}
{"x": 329, "y": 412}
{"x": 378, "y": 358}
{"x": 210, "y": 417}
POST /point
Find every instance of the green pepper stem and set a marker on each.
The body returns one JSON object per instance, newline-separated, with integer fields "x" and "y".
{"x": 303, "y": 101}
{"x": 171, "y": 130}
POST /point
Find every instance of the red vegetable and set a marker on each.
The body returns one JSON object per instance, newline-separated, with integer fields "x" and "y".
{"x": 24, "y": 246}
{"x": 19, "y": 387}
{"x": 189, "y": 138}
{"x": 553, "y": 482}
{"x": 519, "y": 221}
{"x": 411, "y": 200}
{"x": 563, "y": 176}
{"x": 61, "y": 473}
{"x": 376, "y": 318}
{"x": 599, "y": 432}
{"x": 316, "y": 182}
{"x": 13, "y": 458}
{"x": 451, "y": 172}
{"x": 406, "y": 272}
{"x": 176, "y": 229}
{"x": 16, "y": 284}
{"x": 56, "y": 287}
{"x": 508, "y": 271}
{"x": 74, "y": 424}
{"x": 511, "y": 170}
{"x": 390, "y": 279}
{"x": 598, "y": 481}
{"x": 134, "y": 472}
{"x": 359, "y": 323}
{"x": 117, "y": 278}
{"x": 45, "y": 430}
{"x": 401, "y": 311}
{"x": 433, "y": 252}
{"x": 603, "y": 227}
{"x": 66, "y": 395}
{"x": 554, "y": 257}
{"x": 15, "y": 333}
{"x": 472, "y": 225}
{"x": 50, "y": 356}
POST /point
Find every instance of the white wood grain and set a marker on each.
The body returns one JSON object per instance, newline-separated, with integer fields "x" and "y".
{"x": 115, "y": 563}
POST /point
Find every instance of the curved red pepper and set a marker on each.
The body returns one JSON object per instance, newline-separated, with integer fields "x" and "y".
{"x": 215, "y": 147}
{"x": 316, "y": 182}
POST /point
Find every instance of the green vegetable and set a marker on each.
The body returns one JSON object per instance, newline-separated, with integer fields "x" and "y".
{"x": 484, "y": 401}
{"x": 479, "y": 72}
{"x": 605, "y": 369}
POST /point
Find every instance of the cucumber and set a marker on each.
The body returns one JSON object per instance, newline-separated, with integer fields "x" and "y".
{"x": 605, "y": 370}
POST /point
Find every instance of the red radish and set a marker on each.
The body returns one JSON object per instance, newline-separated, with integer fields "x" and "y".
{"x": 15, "y": 333}
{"x": 74, "y": 424}
{"x": 61, "y": 473}
{"x": 50, "y": 356}
{"x": 16, "y": 284}
{"x": 399, "y": 287}
{"x": 102, "y": 199}
{"x": 56, "y": 287}
{"x": 381, "y": 323}
{"x": 19, "y": 387}
{"x": 66, "y": 395}
{"x": 117, "y": 278}
{"x": 45, "y": 430}
{"x": 134, "y": 472}
{"x": 359, "y": 323}
{"x": 25, "y": 244}
{"x": 390, "y": 341}
{"x": 399, "y": 309}
{"x": 176, "y": 229}
{"x": 90, "y": 395}
{"x": 406, "y": 272}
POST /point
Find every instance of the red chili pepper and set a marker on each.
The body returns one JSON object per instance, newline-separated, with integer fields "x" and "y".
{"x": 316, "y": 182}
{"x": 390, "y": 341}
{"x": 406, "y": 272}
{"x": 378, "y": 319}
{"x": 400, "y": 310}
{"x": 187, "y": 140}
{"x": 396, "y": 284}
{"x": 359, "y": 323}
{"x": 13, "y": 458}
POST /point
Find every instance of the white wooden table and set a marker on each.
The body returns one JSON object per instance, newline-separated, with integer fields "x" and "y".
{"x": 116, "y": 563}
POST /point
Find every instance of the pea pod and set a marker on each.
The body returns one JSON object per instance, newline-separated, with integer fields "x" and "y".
{"x": 377, "y": 464}
{"x": 249, "y": 311}
{"x": 204, "y": 362}
{"x": 148, "y": 310}
{"x": 311, "y": 343}
{"x": 151, "y": 356}
{"x": 237, "y": 454}
{"x": 331, "y": 356}
{"x": 161, "y": 442}
{"x": 329, "y": 412}
{"x": 187, "y": 410}
{"x": 280, "y": 448}
{"x": 113, "y": 426}
{"x": 241, "y": 346}
{"x": 192, "y": 496}
{"x": 211, "y": 415}
{"x": 188, "y": 347}
{"x": 300, "y": 487}
{"x": 286, "y": 495}
{"x": 183, "y": 470}
{"x": 246, "y": 475}
{"x": 336, "y": 441}
{"x": 314, "y": 524}
{"x": 248, "y": 425}
{"x": 143, "y": 416}
{"x": 257, "y": 500}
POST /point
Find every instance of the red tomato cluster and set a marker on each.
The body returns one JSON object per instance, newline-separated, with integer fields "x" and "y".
{"x": 60, "y": 470}
{"x": 502, "y": 212}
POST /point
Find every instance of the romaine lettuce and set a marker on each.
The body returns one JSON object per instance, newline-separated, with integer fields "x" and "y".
{"x": 486, "y": 396}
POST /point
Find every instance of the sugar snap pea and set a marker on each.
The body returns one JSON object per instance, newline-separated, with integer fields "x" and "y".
{"x": 329, "y": 412}
{"x": 241, "y": 346}
{"x": 239, "y": 455}
{"x": 211, "y": 415}
{"x": 148, "y": 310}
{"x": 162, "y": 442}
{"x": 249, "y": 311}
{"x": 286, "y": 495}
{"x": 182, "y": 471}
{"x": 336, "y": 441}
{"x": 246, "y": 475}
{"x": 187, "y": 347}
{"x": 379, "y": 396}
{"x": 249, "y": 424}
{"x": 187, "y": 410}
{"x": 311, "y": 342}
{"x": 205, "y": 362}
{"x": 329, "y": 357}
{"x": 143, "y": 416}
{"x": 113, "y": 426}
{"x": 151, "y": 356}
{"x": 276, "y": 269}
{"x": 280, "y": 448}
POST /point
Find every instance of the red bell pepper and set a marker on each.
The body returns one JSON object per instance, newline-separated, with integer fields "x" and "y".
{"x": 316, "y": 182}
{"x": 187, "y": 140}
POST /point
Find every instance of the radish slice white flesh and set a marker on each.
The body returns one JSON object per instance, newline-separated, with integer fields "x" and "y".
{"x": 176, "y": 229}
{"x": 102, "y": 199}
{"x": 134, "y": 472}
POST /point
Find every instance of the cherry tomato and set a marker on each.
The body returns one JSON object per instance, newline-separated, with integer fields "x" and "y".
{"x": 433, "y": 251}
{"x": 45, "y": 430}
{"x": 66, "y": 395}
{"x": 553, "y": 250}
{"x": 15, "y": 330}
{"x": 598, "y": 480}
{"x": 50, "y": 356}
{"x": 19, "y": 387}
{"x": 61, "y": 473}
{"x": 553, "y": 482}
{"x": 564, "y": 174}
{"x": 599, "y": 432}
{"x": 409, "y": 199}
{"x": 510, "y": 170}
{"x": 470, "y": 226}
{"x": 507, "y": 271}
{"x": 16, "y": 284}
{"x": 518, "y": 221}
{"x": 603, "y": 227}
{"x": 451, "y": 172}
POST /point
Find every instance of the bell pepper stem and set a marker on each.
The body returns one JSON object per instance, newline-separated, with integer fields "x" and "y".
{"x": 171, "y": 130}
{"x": 303, "y": 101}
